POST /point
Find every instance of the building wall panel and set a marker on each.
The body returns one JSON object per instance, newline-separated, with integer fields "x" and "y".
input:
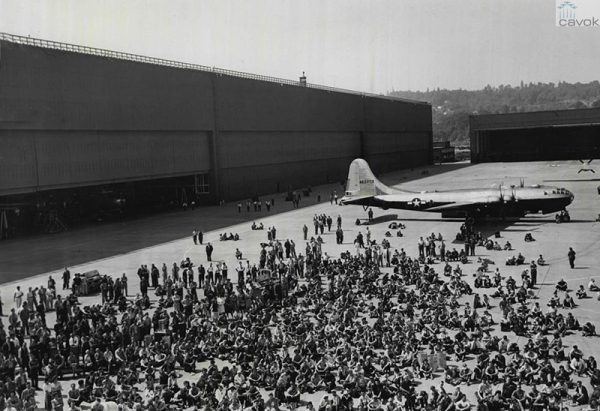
{"x": 54, "y": 89}
{"x": 392, "y": 115}
{"x": 17, "y": 163}
{"x": 251, "y": 105}
{"x": 73, "y": 158}
{"x": 242, "y": 149}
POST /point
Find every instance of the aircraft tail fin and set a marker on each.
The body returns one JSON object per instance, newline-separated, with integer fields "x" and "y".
{"x": 362, "y": 182}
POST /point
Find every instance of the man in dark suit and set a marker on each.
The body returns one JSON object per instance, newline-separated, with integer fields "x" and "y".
{"x": 209, "y": 250}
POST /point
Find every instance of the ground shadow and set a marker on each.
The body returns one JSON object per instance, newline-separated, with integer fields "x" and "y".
{"x": 379, "y": 219}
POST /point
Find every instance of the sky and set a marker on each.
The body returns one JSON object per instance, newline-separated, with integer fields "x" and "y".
{"x": 372, "y": 46}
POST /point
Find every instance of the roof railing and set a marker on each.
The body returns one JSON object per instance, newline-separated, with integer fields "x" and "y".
{"x": 49, "y": 44}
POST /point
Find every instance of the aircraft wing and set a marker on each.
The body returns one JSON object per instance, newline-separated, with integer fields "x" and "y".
{"x": 453, "y": 206}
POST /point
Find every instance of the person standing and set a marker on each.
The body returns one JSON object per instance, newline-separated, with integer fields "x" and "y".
{"x": 165, "y": 273}
{"x": 124, "y": 285}
{"x": 200, "y": 237}
{"x": 23, "y": 313}
{"x": 18, "y": 297}
{"x": 201, "y": 273}
{"x": 305, "y": 231}
{"x": 533, "y": 271}
{"x": 421, "y": 246}
{"x": 571, "y": 254}
{"x": 472, "y": 244}
{"x": 195, "y": 237}
{"x": 66, "y": 278}
{"x": 240, "y": 274}
{"x": 370, "y": 214}
{"x": 239, "y": 206}
{"x": 209, "y": 251}
{"x": 209, "y": 274}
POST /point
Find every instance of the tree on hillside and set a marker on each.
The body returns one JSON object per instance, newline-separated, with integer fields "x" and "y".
{"x": 451, "y": 108}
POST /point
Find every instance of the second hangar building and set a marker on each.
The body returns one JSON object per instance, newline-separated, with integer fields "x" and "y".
{"x": 535, "y": 136}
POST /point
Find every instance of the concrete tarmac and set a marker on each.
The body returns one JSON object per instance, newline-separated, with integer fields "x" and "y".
{"x": 121, "y": 248}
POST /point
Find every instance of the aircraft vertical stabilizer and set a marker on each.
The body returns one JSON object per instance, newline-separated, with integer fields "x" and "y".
{"x": 362, "y": 181}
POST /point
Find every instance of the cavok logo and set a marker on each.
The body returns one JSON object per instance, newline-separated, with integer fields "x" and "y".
{"x": 579, "y": 13}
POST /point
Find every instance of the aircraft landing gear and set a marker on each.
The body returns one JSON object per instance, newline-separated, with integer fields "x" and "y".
{"x": 562, "y": 217}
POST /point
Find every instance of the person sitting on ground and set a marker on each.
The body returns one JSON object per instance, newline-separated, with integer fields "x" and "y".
{"x": 581, "y": 292}
{"x": 520, "y": 259}
{"x": 568, "y": 302}
{"x": 507, "y": 246}
{"x": 562, "y": 285}
{"x": 238, "y": 254}
{"x": 541, "y": 261}
{"x": 529, "y": 238}
{"x": 452, "y": 375}
{"x": 592, "y": 286}
{"x": 426, "y": 370}
{"x": 589, "y": 330}
{"x": 554, "y": 300}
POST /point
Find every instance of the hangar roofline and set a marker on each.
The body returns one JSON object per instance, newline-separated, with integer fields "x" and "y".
{"x": 535, "y": 119}
{"x": 74, "y": 48}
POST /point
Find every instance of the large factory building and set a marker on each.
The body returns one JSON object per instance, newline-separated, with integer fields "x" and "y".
{"x": 535, "y": 136}
{"x": 87, "y": 133}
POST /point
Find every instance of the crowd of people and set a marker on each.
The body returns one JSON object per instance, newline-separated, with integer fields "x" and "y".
{"x": 376, "y": 329}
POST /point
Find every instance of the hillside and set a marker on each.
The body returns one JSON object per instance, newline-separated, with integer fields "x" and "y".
{"x": 451, "y": 108}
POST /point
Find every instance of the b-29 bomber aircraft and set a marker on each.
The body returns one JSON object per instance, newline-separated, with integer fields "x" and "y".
{"x": 364, "y": 189}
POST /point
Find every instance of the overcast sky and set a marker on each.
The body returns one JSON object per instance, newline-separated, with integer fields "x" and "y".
{"x": 373, "y": 46}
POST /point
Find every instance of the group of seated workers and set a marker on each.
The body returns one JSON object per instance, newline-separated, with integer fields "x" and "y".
{"x": 257, "y": 226}
{"x": 518, "y": 260}
{"x": 228, "y": 237}
{"x": 492, "y": 245}
{"x": 315, "y": 336}
{"x": 456, "y": 255}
